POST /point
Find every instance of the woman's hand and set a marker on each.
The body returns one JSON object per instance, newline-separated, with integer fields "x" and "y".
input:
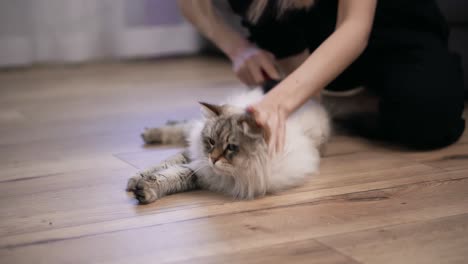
{"x": 272, "y": 118}
{"x": 250, "y": 63}
{"x": 253, "y": 65}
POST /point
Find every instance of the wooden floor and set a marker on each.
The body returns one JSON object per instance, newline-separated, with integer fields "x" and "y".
{"x": 69, "y": 140}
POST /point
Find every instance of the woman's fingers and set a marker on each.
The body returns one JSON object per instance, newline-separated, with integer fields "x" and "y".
{"x": 268, "y": 65}
{"x": 269, "y": 55}
{"x": 273, "y": 122}
{"x": 255, "y": 72}
{"x": 261, "y": 121}
{"x": 281, "y": 132}
{"x": 271, "y": 127}
{"x": 244, "y": 75}
{"x": 273, "y": 136}
{"x": 252, "y": 64}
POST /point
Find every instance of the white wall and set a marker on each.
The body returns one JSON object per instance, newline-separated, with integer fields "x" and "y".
{"x": 36, "y": 31}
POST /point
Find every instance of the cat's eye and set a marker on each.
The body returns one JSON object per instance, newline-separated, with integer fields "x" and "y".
{"x": 211, "y": 141}
{"x": 233, "y": 148}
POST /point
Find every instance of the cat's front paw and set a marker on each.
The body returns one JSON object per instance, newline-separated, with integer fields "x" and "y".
{"x": 152, "y": 136}
{"x": 132, "y": 182}
{"x": 145, "y": 192}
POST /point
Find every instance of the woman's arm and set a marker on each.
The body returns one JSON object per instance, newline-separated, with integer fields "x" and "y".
{"x": 202, "y": 14}
{"x": 248, "y": 61}
{"x": 333, "y": 56}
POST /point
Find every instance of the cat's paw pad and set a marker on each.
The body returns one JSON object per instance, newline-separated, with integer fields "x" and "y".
{"x": 145, "y": 192}
{"x": 152, "y": 136}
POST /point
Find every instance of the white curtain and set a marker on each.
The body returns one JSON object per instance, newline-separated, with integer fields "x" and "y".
{"x": 37, "y": 31}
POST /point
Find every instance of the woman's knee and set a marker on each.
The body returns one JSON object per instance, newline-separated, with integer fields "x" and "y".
{"x": 426, "y": 124}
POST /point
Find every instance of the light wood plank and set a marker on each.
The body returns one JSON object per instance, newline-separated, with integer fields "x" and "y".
{"x": 226, "y": 232}
{"x": 58, "y": 165}
{"x": 340, "y": 145}
{"x": 454, "y": 157}
{"x": 308, "y": 251}
{"x": 105, "y": 194}
{"x": 442, "y": 240}
{"x": 69, "y": 140}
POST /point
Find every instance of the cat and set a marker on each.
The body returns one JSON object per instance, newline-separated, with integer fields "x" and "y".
{"x": 227, "y": 152}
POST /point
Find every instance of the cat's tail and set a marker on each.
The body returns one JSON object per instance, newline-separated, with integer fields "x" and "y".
{"x": 174, "y": 132}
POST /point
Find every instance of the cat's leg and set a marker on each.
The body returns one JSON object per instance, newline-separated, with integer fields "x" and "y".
{"x": 172, "y": 133}
{"x": 174, "y": 179}
{"x": 179, "y": 158}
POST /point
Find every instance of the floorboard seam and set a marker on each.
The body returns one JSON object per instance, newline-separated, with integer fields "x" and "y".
{"x": 337, "y": 251}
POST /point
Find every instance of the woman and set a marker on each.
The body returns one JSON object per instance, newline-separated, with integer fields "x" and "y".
{"x": 397, "y": 48}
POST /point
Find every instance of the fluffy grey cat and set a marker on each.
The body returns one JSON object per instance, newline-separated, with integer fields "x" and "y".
{"x": 227, "y": 153}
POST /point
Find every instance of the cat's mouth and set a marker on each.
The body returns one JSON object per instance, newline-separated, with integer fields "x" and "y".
{"x": 219, "y": 169}
{"x": 216, "y": 167}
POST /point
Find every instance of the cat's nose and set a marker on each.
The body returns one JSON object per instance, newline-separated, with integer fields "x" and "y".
{"x": 215, "y": 159}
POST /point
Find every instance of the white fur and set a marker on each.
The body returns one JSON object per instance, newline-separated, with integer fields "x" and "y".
{"x": 306, "y": 131}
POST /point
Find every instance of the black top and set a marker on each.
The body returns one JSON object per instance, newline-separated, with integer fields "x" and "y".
{"x": 404, "y": 16}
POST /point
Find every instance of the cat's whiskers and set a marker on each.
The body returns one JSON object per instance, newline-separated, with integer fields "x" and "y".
{"x": 197, "y": 170}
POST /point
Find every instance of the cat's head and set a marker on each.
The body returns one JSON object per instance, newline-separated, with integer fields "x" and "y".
{"x": 230, "y": 138}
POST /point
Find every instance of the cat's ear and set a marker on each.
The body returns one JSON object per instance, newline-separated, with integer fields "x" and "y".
{"x": 249, "y": 126}
{"x": 210, "y": 110}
